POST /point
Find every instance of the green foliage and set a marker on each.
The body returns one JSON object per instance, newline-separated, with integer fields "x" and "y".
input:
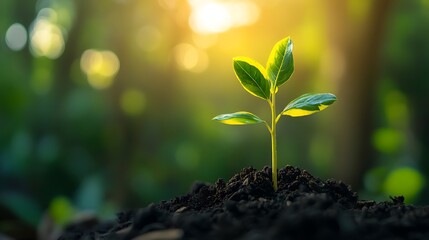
{"x": 264, "y": 83}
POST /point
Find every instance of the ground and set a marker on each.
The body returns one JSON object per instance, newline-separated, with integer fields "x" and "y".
{"x": 247, "y": 208}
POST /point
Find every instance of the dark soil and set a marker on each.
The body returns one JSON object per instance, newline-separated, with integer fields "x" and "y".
{"x": 247, "y": 208}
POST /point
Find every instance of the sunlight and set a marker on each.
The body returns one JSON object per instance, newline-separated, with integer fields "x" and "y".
{"x": 100, "y": 67}
{"x": 211, "y": 16}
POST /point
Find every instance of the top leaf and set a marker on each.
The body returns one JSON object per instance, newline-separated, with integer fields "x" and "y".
{"x": 308, "y": 104}
{"x": 252, "y": 77}
{"x": 280, "y": 63}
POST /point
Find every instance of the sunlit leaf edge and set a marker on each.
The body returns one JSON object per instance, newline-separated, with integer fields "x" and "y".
{"x": 260, "y": 86}
{"x": 308, "y": 104}
{"x": 238, "y": 118}
{"x": 280, "y": 65}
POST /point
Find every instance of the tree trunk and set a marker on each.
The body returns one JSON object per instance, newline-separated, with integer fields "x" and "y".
{"x": 355, "y": 43}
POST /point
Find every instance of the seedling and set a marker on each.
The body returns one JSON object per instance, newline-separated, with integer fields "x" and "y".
{"x": 263, "y": 83}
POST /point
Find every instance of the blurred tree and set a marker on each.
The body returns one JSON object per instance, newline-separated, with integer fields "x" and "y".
{"x": 155, "y": 82}
{"x": 356, "y": 33}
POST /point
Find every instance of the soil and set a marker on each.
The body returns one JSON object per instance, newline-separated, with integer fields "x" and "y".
{"x": 247, "y": 208}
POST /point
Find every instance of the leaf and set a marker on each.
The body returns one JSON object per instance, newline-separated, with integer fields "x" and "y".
{"x": 238, "y": 118}
{"x": 308, "y": 104}
{"x": 280, "y": 63}
{"x": 251, "y": 75}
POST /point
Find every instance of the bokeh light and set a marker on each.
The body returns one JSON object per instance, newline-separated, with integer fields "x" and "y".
{"x": 100, "y": 67}
{"x": 388, "y": 140}
{"x": 405, "y": 181}
{"x": 16, "y": 37}
{"x": 46, "y": 37}
{"x": 190, "y": 58}
{"x": 61, "y": 210}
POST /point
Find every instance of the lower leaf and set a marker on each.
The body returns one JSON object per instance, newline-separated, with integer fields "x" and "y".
{"x": 308, "y": 104}
{"x": 238, "y": 118}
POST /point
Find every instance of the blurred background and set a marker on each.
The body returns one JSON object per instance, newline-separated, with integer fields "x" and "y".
{"x": 106, "y": 105}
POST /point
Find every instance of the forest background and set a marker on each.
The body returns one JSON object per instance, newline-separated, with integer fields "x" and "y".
{"x": 106, "y": 105}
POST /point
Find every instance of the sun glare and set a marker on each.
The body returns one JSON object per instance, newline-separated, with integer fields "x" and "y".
{"x": 211, "y": 16}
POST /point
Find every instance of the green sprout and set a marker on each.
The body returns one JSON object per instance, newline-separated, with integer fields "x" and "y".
{"x": 263, "y": 83}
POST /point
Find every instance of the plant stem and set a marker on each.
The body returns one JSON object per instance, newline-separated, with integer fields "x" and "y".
{"x": 273, "y": 140}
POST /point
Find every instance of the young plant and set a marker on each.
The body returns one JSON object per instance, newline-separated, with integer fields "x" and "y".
{"x": 263, "y": 83}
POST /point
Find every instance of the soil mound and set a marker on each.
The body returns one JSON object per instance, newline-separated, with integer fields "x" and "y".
{"x": 247, "y": 208}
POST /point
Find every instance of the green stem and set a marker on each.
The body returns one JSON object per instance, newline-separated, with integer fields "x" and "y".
{"x": 273, "y": 141}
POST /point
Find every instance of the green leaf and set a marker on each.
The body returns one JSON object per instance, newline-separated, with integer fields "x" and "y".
{"x": 280, "y": 63}
{"x": 308, "y": 104}
{"x": 252, "y": 77}
{"x": 238, "y": 118}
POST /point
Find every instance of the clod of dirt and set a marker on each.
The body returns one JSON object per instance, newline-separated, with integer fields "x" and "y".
{"x": 247, "y": 208}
